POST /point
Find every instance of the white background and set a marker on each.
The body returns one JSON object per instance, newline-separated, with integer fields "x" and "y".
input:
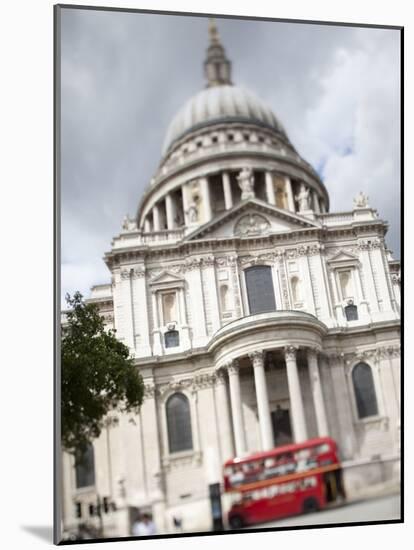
{"x": 26, "y": 217}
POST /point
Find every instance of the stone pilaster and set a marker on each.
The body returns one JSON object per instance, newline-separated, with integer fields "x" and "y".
{"x": 317, "y": 394}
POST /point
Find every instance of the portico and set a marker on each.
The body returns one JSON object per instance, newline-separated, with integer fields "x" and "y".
{"x": 282, "y": 340}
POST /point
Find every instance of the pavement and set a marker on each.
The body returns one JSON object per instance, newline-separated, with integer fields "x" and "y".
{"x": 373, "y": 509}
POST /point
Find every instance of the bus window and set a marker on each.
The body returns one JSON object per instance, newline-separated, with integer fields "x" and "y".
{"x": 237, "y": 476}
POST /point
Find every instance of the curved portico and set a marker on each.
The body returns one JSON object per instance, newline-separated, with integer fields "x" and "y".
{"x": 246, "y": 343}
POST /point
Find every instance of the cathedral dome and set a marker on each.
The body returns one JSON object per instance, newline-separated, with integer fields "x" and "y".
{"x": 224, "y": 103}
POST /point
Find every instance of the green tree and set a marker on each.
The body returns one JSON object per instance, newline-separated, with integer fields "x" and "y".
{"x": 97, "y": 375}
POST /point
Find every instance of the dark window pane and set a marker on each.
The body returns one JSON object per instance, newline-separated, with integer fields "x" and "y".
{"x": 366, "y": 399}
{"x": 179, "y": 423}
{"x": 172, "y": 339}
{"x": 260, "y": 292}
{"x": 351, "y": 313}
{"x": 85, "y": 468}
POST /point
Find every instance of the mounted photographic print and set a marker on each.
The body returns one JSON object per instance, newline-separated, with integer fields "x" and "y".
{"x": 228, "y": 244}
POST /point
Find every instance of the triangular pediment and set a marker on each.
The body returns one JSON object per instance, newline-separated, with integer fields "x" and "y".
{"x": 342, "y": 257}
{"x": 252, "y": 218}
{"x": 165, "y": 277}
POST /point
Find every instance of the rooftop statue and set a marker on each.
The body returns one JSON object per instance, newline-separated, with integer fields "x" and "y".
{"x": 303, "y": 198}
{"x": 361, "y": 200}
{"x": 246, "y": 183}
{"x": 129, "y": 224}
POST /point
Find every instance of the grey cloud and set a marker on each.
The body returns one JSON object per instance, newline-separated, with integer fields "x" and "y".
{"x": 125, "y": 75}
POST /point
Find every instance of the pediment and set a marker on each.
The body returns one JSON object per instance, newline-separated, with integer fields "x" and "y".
{"x": 166, "y": 277}
{"x": 343, "y": 257}
{"x": 252, "y": 218}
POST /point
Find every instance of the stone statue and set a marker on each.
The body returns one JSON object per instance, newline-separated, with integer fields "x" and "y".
{"x": 361, "y": 200}
{"x": 303, "y": 198}
{"x": 128, "y": 224}
{"x": 192, "y": 213}
{"x": 246, "y": 183}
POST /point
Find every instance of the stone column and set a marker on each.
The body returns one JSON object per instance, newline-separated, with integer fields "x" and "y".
{"x": 317, "y": 394}
{"x": 224, "y": 424}
{"x": 156, "y": 217}
{"x": 170, "y": 210}
{"x": 270, "y": 190}
{"x": 262, "y": 398}
{"x": 315, "y": 201}
{"x": 147, "y": 225}
{"x": 236, "y": 408}
{"x": 296, "y": 402}
{"x": 228, "y": 197}
{"x": 184, "y": 192}
{"x": 205, "y": 193}
{"x": 289, "y": 192}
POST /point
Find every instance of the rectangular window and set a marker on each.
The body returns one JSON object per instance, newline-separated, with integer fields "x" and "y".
{"x": 260, "y": 293}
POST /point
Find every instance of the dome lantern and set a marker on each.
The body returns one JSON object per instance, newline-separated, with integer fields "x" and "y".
{"x": 217, "y": 68}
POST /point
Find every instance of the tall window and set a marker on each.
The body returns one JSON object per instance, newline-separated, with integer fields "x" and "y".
{"x": 364, "y": 389}
{"x": 85, "y": 468}
{"x": 180, "y": 437}
{"x": 260, "y": 291}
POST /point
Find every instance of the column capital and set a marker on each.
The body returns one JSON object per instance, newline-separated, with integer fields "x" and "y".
{"x": 232, "y": 367}
{"x": 312, "y": 351}
{"x": 257, "y": 358}
{"x": 220, "y": 377}
{"x": 290, "y": 352}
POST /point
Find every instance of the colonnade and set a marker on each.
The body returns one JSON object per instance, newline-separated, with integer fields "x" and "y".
{"x": 163, "y": 214}
{"x": 297, "y": 411}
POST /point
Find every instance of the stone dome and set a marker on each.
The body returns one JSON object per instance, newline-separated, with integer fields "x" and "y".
{"x": 225, "y": 103}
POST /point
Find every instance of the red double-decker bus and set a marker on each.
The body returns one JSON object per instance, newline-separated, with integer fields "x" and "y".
{"x": 285, "y": 481}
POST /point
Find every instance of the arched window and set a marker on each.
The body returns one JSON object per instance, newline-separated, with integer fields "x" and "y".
{"x": 179, "y": 423}
{"x": 85, "y": 468}
{"x": 364, "y": 389}
{"x": 172, "y": 339}
{"x": 260, "y": 293}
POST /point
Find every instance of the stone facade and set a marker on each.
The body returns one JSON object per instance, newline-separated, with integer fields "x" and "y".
{"x": 231, "y": 193}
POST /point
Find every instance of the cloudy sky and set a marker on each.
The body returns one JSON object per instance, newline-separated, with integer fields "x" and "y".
{"x": 124, "y": 76}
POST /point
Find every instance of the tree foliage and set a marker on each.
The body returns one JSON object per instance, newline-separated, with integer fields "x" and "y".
{"x": 97, "y": 375}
